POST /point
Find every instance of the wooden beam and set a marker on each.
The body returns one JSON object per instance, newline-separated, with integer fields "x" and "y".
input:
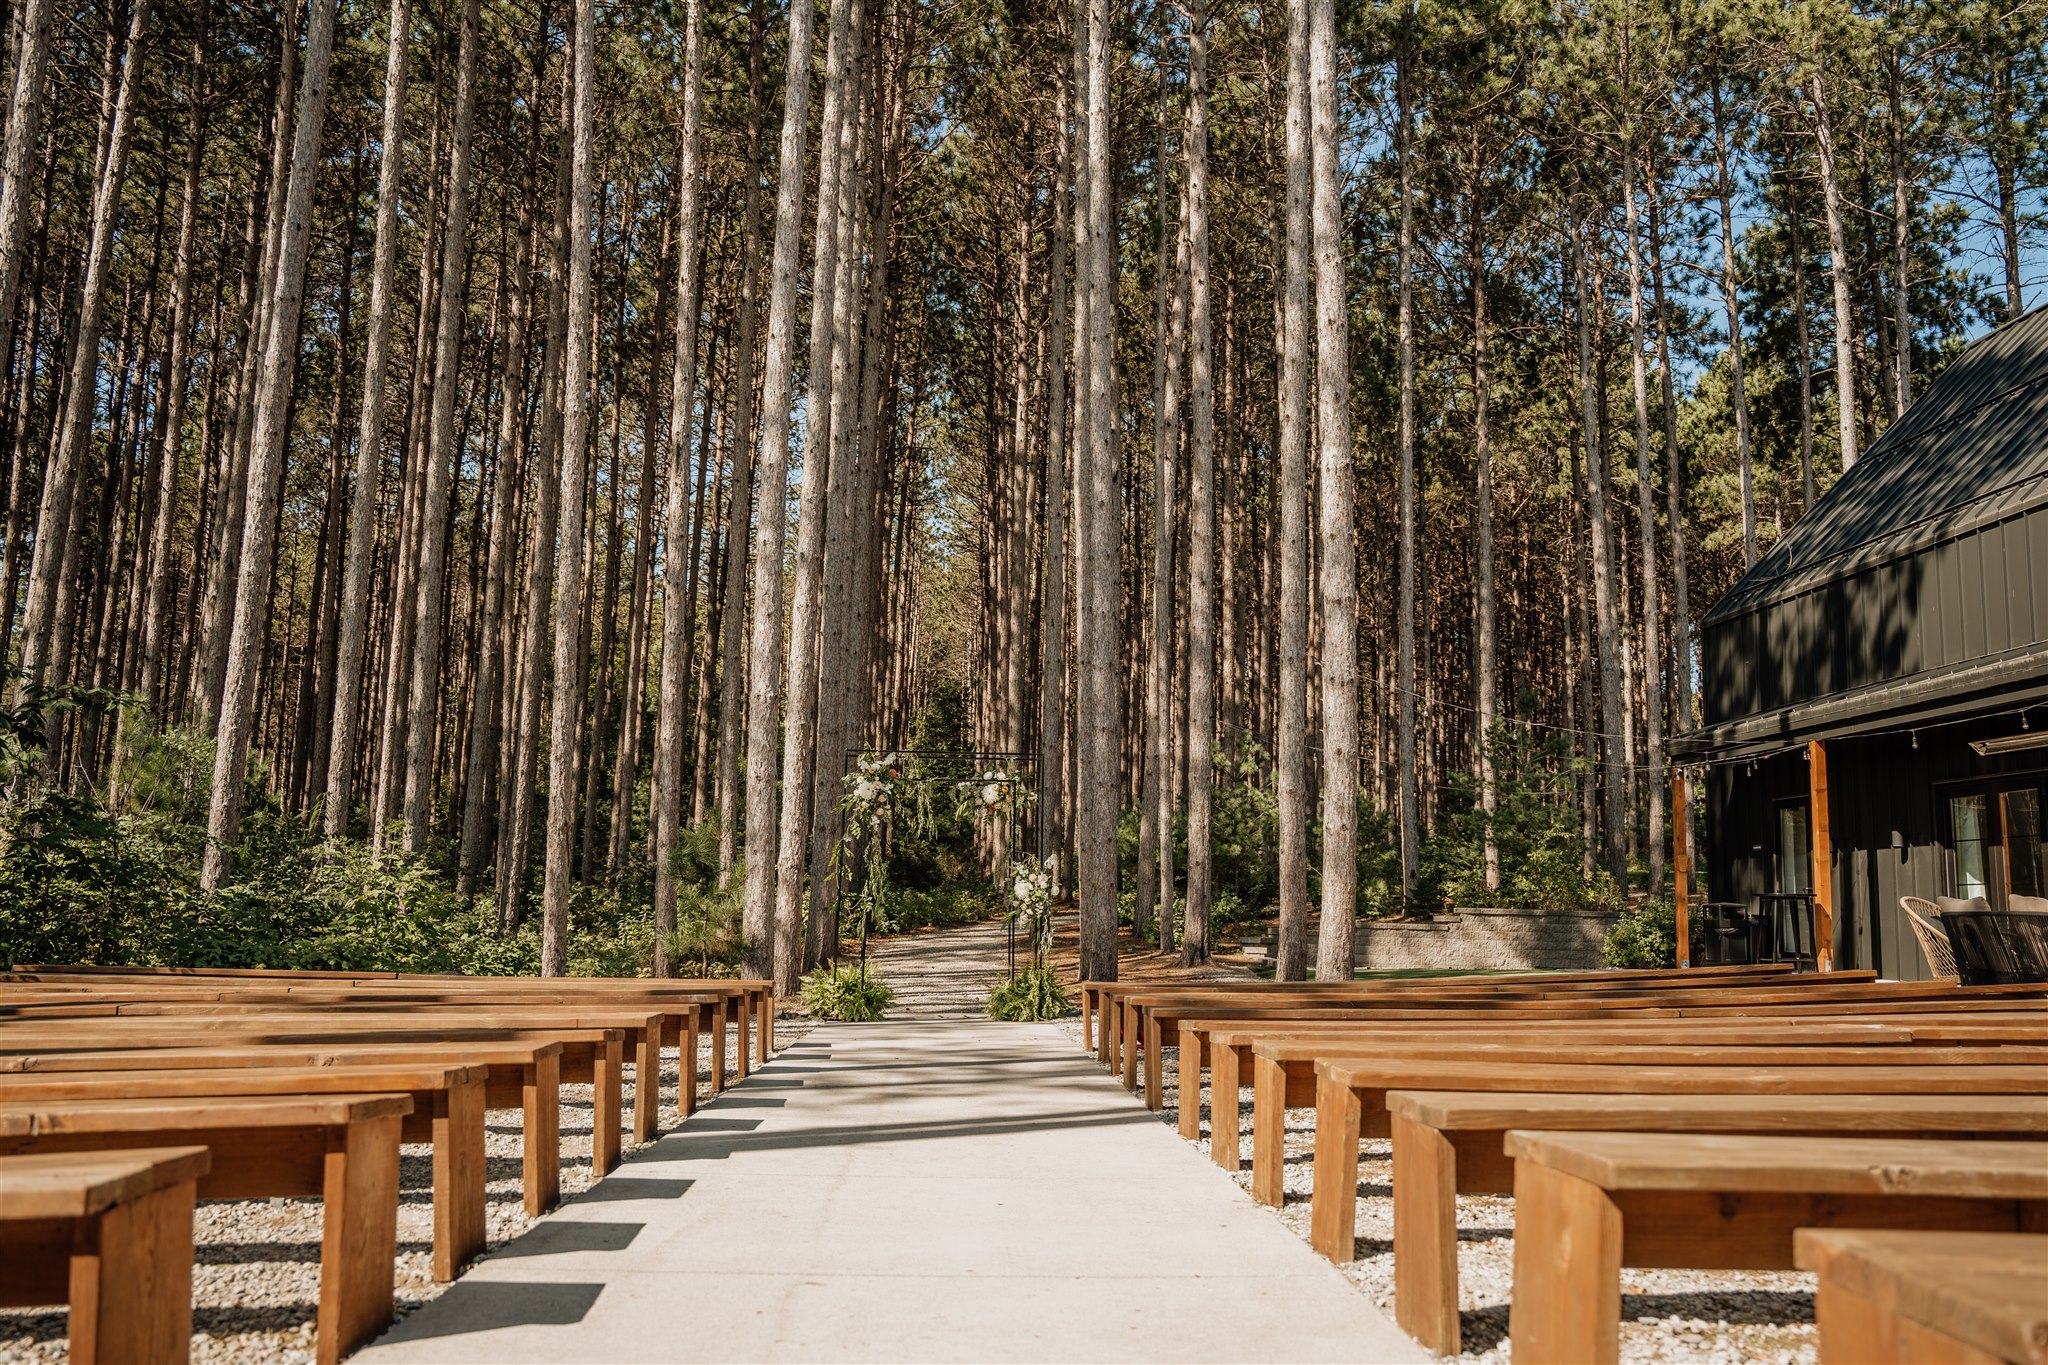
{"x": 1681, "y": 863}
{"x": 1823, "y": 856}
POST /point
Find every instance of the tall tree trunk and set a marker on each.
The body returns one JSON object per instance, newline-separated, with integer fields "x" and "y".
{"x": 1646, "y": 510}
{"x": 1098, "y": 499}
{"x": 175, "y": 382}
{"x": 1156, "y": 802}
{"x": 1840, "y": 268}
{"x": 1052, "y": 704}
{"x": 31, "y": 29}
{"x": 1292, "y": 400}
{"x": 1486, "y": 642}
{"x": 1674, "y": 477}
{"x": 1608, "y": 743}
{"x": 1731, "y": 306}
{"x": 1902, "y": 242}
{"x": 1336, "y": 943}
{"x": 1404, "y": 668}
{"x": 1201, "y": 500}
{"x": 565, "y": 721}
{"x": 55, "y": 548}
{"x": 764, "y": 682}
{"x": 666, "y": 795}
{"x": 266, "y": 461}
{"x": 442, "y": 452}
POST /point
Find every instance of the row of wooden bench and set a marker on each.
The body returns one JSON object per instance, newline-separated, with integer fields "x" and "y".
{"x": 125, "y": 1095}
{"x": 1708, "y": 1119}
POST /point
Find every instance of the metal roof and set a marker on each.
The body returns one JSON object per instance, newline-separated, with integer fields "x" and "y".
{"x": 1971, "y": 451}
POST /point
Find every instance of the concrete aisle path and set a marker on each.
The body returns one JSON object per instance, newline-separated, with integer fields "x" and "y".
{"x": 932, "y": 1190}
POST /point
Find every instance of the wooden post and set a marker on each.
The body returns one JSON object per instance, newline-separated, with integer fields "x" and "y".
{"x": 1823, "y": 856}
{"x": 1681, "y": 865}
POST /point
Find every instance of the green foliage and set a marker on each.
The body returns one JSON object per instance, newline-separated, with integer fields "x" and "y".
{"x": 1536, "y": 828}
{"x": 708, "y": 907}
{"x": 1646, "y": 937}
{"x": 1032, "y": 993}
{"x": 906, "y": 910}
{"x": 849, "y": 994}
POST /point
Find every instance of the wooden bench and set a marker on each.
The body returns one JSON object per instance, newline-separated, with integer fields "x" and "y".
{"x": 522, "y": 1073}
{"x": 1285, "y": 1073}
{"x": 448, "y": 1111}
{"x": 1159, "y": 1021}
{"x": 1447, "y": 1144}
{"x": 110, "y": 1234}
{"x": 1227, "y": 1051}
{"x": 1351, "y": 1104}
{"x": 1587, "y": 1204}
{"x": 342, "y": 1148}
{"x": 1928, "y": 1298}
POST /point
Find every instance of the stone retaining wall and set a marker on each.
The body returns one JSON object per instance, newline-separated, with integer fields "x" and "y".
{"x": 1476, "y": 939}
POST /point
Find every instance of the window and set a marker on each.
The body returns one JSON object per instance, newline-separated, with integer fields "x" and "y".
{"x": 1997, "y": 841}
{"x": 1795, "y": 849}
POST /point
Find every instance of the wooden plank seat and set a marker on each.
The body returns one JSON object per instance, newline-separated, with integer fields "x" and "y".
{"x": 447, "y": 1111}
{"x": 587, "y": 1037}
{"x": 1223, "y": 1048}
{"x": 110, "y": 1235}
{"x": 1232, "y": 1058}
{"x": 1449, "y": 1143}
{"x": 1097, "y": 996}
{"x": 1928, "y": 1298}
{"x": 1150, "y": 1017}
{"x": 1351, "y": 1105}
{"x": 680, "y": 1019}
{"x": 724, "y": 1001}
{"x": 1586, "y": 1204}
{"x": 342, "y": 1148}
{"x": 522, "y": 1073}
{"x": 1285, "y": 1070}
{"x": 1125, "y": 1019}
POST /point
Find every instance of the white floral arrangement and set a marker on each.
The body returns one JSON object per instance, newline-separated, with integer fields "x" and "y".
{"x": 1032, "y": 890}
{"x": 870, "y": 791}
{"x": 994, "y": 791}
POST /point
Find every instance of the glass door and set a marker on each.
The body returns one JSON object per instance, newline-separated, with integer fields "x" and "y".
{"x": 1998, "y": 842}
{"x": 1795, "y": 849}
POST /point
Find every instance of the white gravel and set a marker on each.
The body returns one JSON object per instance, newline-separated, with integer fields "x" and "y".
{"x": 256, "y": 1277}
{"x": 1684, "y": 1317}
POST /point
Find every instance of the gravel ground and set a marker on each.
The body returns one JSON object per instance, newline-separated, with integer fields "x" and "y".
{"x": 1683, "y": 1317}
{"x": 256, "y": 1280}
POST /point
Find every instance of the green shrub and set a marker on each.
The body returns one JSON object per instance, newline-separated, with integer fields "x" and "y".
{"x": 847, "y": 993}
{"x": 1031, "y": 994}
{"x": 708, "y": 907}
{"x": 1647, "y": 937}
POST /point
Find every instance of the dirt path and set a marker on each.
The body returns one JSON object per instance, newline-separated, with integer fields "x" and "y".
{"x": 943, "y": 974}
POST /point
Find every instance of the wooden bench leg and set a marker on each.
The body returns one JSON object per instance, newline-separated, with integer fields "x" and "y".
{"x": 717, "y": 1013}
{"x": 606, "y": 1106}
{"x": 1155, "y": 1064}
{"x": 1188, "y": 1102}
{"x": 744, "y": 1058}
{"x": 359, "y": 1235}
{"x": 1225, "y": 1123}
{"x": 1269, "y": 1132}
{"x": 1857, "y": 1330}
{"x": 458, "y": 1177}
{"x": 1566, "y": 1308}
{"x": 686, "y": 1066}
{"x": 646, "y": 1085}
{"x": 541, "y": 1148}
{"x": 131, "y": 1279}
{"x": 1333, "y": 1212}
{"x": 1425, "y": 1235}
{"x": 764, "y": 1031}
{"x": 1128, "y": 1038}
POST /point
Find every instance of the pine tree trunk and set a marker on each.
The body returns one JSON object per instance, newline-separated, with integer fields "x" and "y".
{"x": 764, "y": 682}
{"x": 732, "y": 687}
{"x": 566, "y": 710}
{"x": 1486, "y": 631}
{"x": 1098, "y": 497}
{"x": 55, "y": 548}
{"x": 31, "y": 29}
{"x": 1157, "y": 799}
{"x": 1336, "y": 942}
{"x": 1730, "y": 304}
{"x": 442, "y": 452}
{"x": 1839, "y": 268}
{"x": 1646, "y": 508}
{"x": 1292, "y": 400}
{"x": 1902, "y": 242}
{"x": 272, "y": 401}
{"x": 1404, "y": 629}
{"x": 1052, "y": 673}
{"x": 1201, "y": 500}
{"x": 1609, "y": 745}
{"x": 666, "y": 794}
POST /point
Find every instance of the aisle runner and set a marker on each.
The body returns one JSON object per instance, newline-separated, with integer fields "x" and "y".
{"x": 929, "y": 1190}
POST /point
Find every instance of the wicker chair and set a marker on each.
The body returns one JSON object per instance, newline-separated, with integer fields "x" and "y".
{"x": 1922, "y": 915}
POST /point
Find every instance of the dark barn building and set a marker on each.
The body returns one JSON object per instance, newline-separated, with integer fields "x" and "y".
{"x": 1875, "y": 689}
